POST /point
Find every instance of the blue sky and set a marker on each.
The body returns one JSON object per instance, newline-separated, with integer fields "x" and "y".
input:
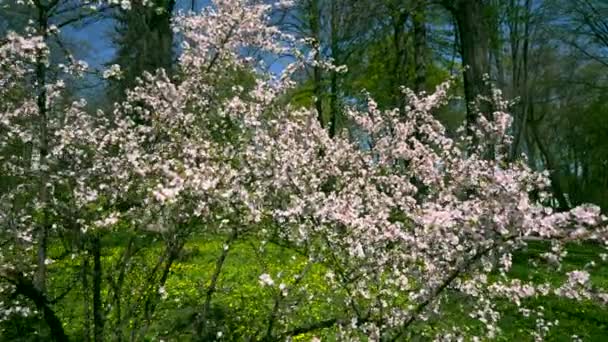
{"x": 94, "y": 42}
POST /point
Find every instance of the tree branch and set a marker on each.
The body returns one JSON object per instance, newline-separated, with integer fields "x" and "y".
{"x": 25, "y": 287}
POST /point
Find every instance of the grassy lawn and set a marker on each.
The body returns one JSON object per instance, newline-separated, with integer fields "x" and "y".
{"x": 239, "y": 299}
{"x": 587, "y": 320}
{"x": 239, "y": 290}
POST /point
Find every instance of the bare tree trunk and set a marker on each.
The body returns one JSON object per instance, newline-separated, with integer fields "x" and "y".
{"x": 552, "y": 166}
{"x": 521, "y": 84}
{"x": 333, "y": 97}
{"x": 86, "y": 303}
{"x": 470, "y": 16}
{"x": 174, "y": 248}
{"x": 420, "y": 46}
{"x": 399, "y": 19}
{"x": 315, "y": 28}
{"x": 496, "y": 42}
{"x": 161, "y": 24}
{"x": 98, "y": 318}
{"x": 117, "y": 286}
{"x": 41, "y": 101}
{"x": 531, "y": 152}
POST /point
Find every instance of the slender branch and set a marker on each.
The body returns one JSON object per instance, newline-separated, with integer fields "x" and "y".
{"x": 325, "y": 324}
{"x": 278, "y": 299}
{"x": 201, "y": 323}
{"x": 65, "y": 292}
{"x": 84, "y": 16}
{"x": 328, "y": 323}
{"x": 439, "y": 290}
{"x": 152, "y": 298}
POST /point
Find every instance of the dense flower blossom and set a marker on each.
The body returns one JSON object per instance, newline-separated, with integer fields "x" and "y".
{"x": 266, "y": 280}
{"x": 395, "y": 224}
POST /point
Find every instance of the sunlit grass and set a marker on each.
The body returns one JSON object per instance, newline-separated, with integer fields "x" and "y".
{"x": 239, "y": 299}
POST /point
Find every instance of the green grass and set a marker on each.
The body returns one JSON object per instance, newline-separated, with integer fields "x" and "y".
{"x": 585, "y": 319}
{"x": 241, "y": 306}
{"x": 239, "y": 290}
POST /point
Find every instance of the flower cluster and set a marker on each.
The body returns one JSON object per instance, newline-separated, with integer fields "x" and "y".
{"x": 400, "y": 214}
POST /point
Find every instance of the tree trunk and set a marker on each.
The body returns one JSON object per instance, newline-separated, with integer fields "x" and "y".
{"x": 420, "y": 48}
{"x": 521, "y": 85}
{"x": 174, "y": 248}
{"x": 41, "y": 102}
{"x": 26, "y": 288}
{"x": 333, "y": 95}
{"x": 86, "y": 301}
{"x": 496, "y": 43}
{"x": 400, "y": 57}
{"x": 314, "y": 22}
{"x": 470, "y": 16}
{"x": 552, "y": 166}
{"x": 201, "y": 323}
{"x": 144, "y": 41}
{"x": 97, "y": 278}
{"x": 161, "y": 25}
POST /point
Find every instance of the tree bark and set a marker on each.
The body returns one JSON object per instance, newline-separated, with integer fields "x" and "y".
{"x": 98, "y": 318}
{"x": 26, "y": 288}
{"x": 86, "y": 299}
{"x": 521, "y": 86}
{"x": 41, "y": 102}
{"x": 420, "y": 48}
{"x": 333, "y": 95}
{"x": 315, "y": 28}
{"x": 470, "y": 16}
{"x": 551, "y": 165}
{"x": 399, "y": 63}
{"x": 174, "y": 248}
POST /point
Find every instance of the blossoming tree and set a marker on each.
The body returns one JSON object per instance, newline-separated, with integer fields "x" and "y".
{"x": 399, "y": 219}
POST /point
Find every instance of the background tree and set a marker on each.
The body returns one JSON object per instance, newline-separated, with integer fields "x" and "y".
{"x": 144, "y": 41}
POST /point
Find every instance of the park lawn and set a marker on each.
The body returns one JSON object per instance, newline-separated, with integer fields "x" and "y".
{"x": 587, "y": 320}
{"x": 239, "y": 296}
